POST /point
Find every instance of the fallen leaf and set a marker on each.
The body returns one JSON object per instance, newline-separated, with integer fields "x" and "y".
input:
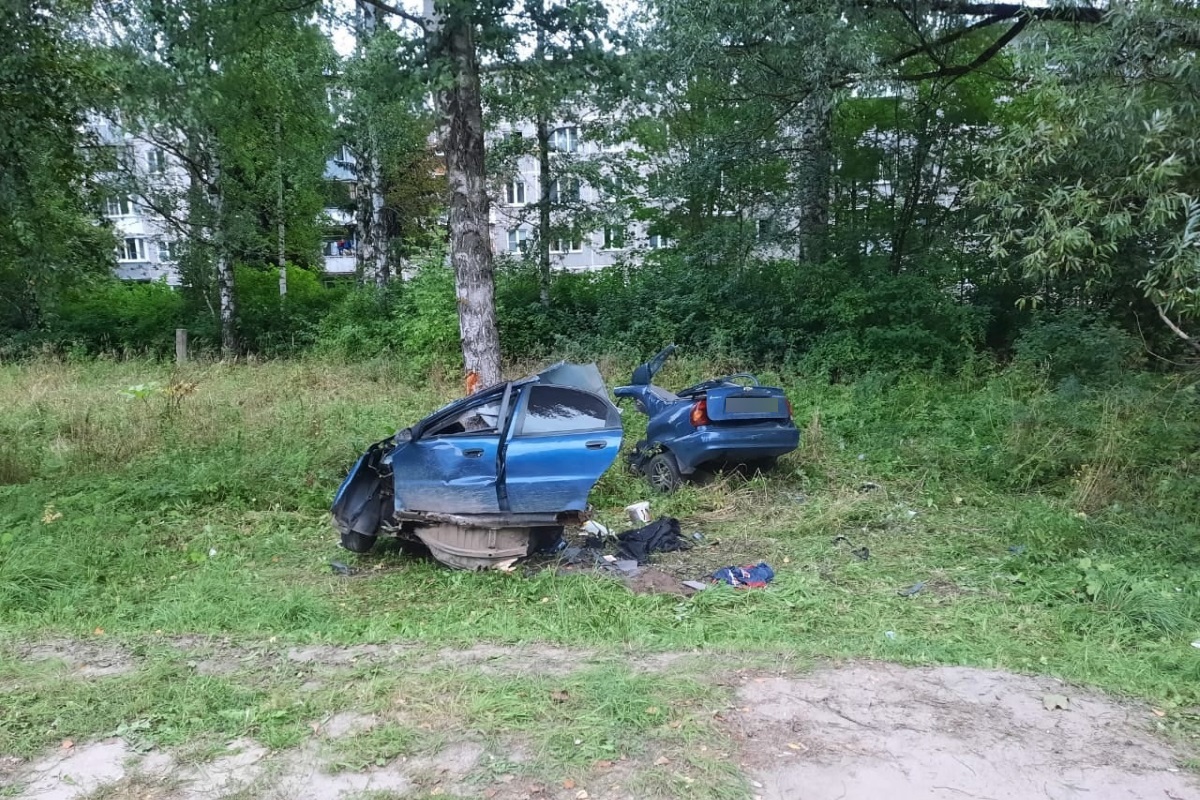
{"x": 603, "y": 764}
{"x": 582, "y": 795}
{"x": 1053, "y": 701}
{"x": 98, "y": 632}
{"x": 568, "y": 784}
{"x": 67, "y": 744}
{"x": 676, "y": 725}
{"x": 1158, "y": 712}
{"x": 560, "y": 695}
{"x": 316, "y": 727}
{"x": 490, "y": 793}
{"x": 652, "y": 710}
{"x": 797, "y": 746}
{"x": 661, "y": 761}
{"x": 545, "y": 600}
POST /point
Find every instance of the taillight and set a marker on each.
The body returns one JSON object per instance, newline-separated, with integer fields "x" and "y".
{"x": 700, "y": 413}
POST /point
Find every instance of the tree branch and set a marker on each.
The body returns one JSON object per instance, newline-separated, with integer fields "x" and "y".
{"x": 981, "y": 59}
{"x": 1176, "y": 329}
{"x": 399, "y": 12}
{"x": 1084, "y": 14}
{"x": 950, "y": 38}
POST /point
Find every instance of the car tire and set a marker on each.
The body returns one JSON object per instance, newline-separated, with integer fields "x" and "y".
{"x": 662, "y": 472}
{"x": 357, "y": 542}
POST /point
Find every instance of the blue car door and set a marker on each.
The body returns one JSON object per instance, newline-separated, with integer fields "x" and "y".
{"x": 562, "y": 440}
{"x": 453, "y": 464}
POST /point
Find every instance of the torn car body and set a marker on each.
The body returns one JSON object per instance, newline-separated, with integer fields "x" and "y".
{"x": 490, "y": 478}
{"x": 724, "y": 421}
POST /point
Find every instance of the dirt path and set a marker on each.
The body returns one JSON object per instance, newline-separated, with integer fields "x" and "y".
{"x": 857, "y": 731}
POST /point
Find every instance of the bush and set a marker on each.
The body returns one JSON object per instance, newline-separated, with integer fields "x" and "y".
{"x": 272, "y": 325}
{"x": 116, "y": 315}
{"x": 1076, "y": 344}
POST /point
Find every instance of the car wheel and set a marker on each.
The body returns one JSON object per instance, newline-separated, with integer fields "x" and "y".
{"x": 357, "y": 542}
{"x": 663, "y": 473}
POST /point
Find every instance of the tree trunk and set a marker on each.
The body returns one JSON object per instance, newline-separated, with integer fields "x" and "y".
{"x": 814, "y": 121}
{"x": 373, "y": 247}
{"x": 451, "y": 40}
{"x": 544, "y": 180}
{"x": 226, "y": 304}
{"x": 281, "y": 224}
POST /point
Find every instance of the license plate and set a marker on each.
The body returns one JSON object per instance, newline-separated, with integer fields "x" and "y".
{"x": 751, "y": 405}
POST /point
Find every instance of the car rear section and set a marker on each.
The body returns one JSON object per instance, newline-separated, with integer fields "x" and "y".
{"x": 737, "y": 424}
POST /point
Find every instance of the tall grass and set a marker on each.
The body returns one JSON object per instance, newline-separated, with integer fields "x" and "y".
{"x": 134, "y": 511}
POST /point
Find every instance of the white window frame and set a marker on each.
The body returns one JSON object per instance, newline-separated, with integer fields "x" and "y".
{"x": 616, "y": 237}
{"x": 138, "y": 249}
{"x": 656, "y": 241}
{"x": 168, "y": 250}
{"x": 120, "y": 206}
{"x": 573, "y": 245}
{"x": 518, "y": 240}
{"x": 514, "y": 193}
{"x": 565, "y": 139}
{"x": 156, "y": 161}
{"x": 574, "y": 187}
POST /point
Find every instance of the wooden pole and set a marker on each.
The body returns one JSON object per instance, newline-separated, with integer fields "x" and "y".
{"x": 181, "y": 345}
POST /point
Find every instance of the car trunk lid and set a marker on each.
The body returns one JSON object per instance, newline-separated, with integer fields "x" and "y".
{"x": 747, "y": 404}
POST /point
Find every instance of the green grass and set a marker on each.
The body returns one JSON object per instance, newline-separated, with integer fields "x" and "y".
{"x": 1055, "y": 528}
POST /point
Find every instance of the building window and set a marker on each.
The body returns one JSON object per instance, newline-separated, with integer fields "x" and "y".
{"x": 156, "y": 161}
{"x": 763, "y": 229}
{"x": 168, "y": 250}
{"x": 132, "y": 249}
{"x": 565, "y": 140}
{"x": 344, "y": 155}
{"x": 565, "y": 190}
{"x": 514, "y": 193}
{"x": 574, "y": 244}
{"x": 518, "y": 239}
{"x": 614, "y": 238}
{"x": 657, "y": 241}
{"x": 118, "y": 207}
{"x": 654, "y": 184}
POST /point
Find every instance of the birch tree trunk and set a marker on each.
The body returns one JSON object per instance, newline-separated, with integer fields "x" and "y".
{"x": 544, "y": 180}
{"x": 226, "y": 304}
{"x": 281, "y": 224}
{"x": 451, "y": 40}
{"x": 373, "y": 247}
{"x": 814, "y": 120}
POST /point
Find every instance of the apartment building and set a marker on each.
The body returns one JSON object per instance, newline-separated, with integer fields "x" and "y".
{"x": 149, "y": 247}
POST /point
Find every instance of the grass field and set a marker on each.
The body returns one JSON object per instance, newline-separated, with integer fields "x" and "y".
{"x": 1056, "y": 530}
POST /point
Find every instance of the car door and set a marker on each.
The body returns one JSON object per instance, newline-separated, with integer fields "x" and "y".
{"x": 453, "y": 463}
{"x": 562, "y": 440}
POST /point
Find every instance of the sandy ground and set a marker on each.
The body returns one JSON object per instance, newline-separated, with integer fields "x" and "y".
{"x": 855, "y": 731}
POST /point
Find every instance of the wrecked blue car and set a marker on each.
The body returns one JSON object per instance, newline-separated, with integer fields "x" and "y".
{"x": 490, "y": 478}
{"x": 722, "y": 422}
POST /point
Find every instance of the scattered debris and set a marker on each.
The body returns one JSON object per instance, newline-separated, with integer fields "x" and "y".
{"x": 639, "y": 513}
{"x": 339, "y": 568}
{"x": 862, "y": 553}
{"x": 751, "y": 576}
{"x": 1056, "y": 701}
{"x": 699, "y": 586}
{"x": 560, "y": 695}
{"x": 1196, "y": 644}
{"x": 868, "y": 486}
{"x": 890, "y": 634}
{"x": 662, "y": 535}
{"x": 909, "y": 591}
{"x": 1016, "y": 549}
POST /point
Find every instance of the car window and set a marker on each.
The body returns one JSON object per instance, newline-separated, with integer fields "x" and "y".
{"x": 556, "y": 409}
{"x": 479, "y": 420}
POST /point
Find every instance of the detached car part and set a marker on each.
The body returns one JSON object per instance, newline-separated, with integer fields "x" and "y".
{"x": 490, "y": 478}
{"x": 724, "y": 421}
